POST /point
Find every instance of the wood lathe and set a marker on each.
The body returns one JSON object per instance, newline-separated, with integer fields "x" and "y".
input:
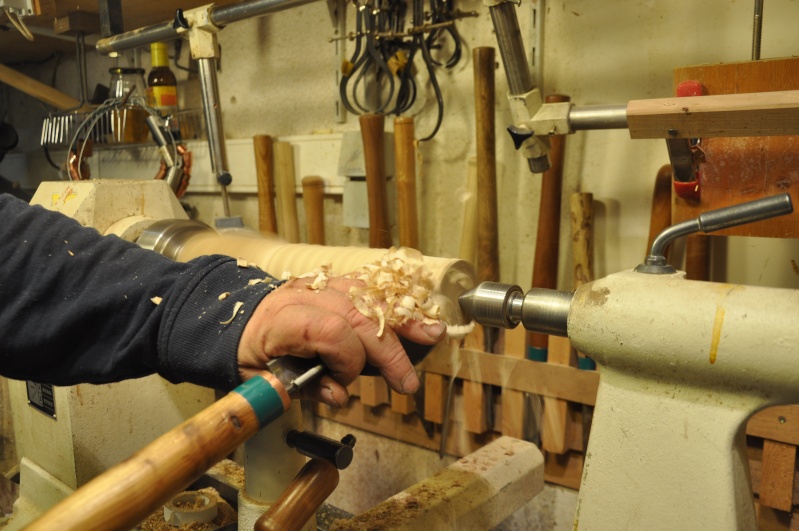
{"x": 682, "y": 365}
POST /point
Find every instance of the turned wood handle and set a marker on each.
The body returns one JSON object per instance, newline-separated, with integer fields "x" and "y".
{"x": 545, "y": 265}
{"x": 372, "y": 127}
{"x": 288, "y": 225}
{"x": 302, "y": 498}
{"x": 38, "y": 90}
{"x": 313, "y": 194}
{"x": 660, "y": 217}
{"x": 265, "y": 173}
{"x": 468, "y": 249}
{"x": 582, "y": 230}
{"x": 405, "y": 162}
{"x": 487, "y": 231}
{"x": 126, "y": 494}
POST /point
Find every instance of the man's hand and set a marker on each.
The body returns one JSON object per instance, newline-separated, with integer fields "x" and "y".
{"x": 297, "y": 321}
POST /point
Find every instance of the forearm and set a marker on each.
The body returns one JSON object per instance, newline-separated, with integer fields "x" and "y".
{"x": 77, "y": 307}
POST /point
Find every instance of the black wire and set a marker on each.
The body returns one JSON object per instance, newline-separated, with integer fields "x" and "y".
{"x": 49, "y": 158}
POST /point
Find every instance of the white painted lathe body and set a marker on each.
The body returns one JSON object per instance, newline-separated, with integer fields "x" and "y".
{"x": 683, "y": 365}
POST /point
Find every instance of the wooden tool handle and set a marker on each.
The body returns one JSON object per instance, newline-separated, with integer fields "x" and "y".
{"x": 487, "y": 232}
{"x": 545, "y": 266}
{"x": 313, "y": 194}
{"x": 38, "y": 90}
{"x": 264, "y": 170}
{"x": 660, "y": 217}
{"x": 469, "y": 234}
{"x": 407, "y": 216}
{"x": 697, "y": 257}
{"x": 300, "y": 501}
{"x": 126, "y": 494}
{"x": 372, "y": 127}
{"x": 405, "y": 162}
{"x": 582, "y": 230}
{"x": 288, "y": 227}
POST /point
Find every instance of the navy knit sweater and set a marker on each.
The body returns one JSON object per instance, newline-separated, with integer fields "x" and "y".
{"x": 76, "y": 307}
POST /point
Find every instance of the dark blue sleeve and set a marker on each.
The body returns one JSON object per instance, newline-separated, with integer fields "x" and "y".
{"x": 77, "y": 307}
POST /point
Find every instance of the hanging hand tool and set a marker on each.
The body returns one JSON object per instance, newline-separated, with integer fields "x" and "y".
{"x": 545, "y": 275}
{"x": 374, "y": 390}
{"x": 265, "y": 173}
{"x": 479, "y": 398}
{"x": 288, "y": 226}
{"x": 126, "y": 494}
{"x": 372, "y": 127}
{"x": 313, "y": 194}
{"x": 407, "y": 217}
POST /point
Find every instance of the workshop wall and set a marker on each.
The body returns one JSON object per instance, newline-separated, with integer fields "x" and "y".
{"x": 277, "y": 78}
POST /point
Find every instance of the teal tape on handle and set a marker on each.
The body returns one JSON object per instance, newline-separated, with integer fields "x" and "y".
{"x": 263, "y": 398}
{"x": 586, "y": 364}
{"x": 537, "y": 353}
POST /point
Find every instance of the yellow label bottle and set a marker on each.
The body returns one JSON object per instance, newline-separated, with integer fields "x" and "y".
{"x": 162, "y": 86}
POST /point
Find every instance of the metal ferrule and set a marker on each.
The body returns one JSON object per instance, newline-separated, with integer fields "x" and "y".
{"x": 294, "y": 373}
{"x": 504, "y": 305}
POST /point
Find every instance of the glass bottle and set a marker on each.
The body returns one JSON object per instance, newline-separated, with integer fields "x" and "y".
{"x": 129, "y": 117}
{"x": 162, "y": 86}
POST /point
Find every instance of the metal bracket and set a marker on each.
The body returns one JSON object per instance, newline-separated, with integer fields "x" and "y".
{"x": 202, "y": 33}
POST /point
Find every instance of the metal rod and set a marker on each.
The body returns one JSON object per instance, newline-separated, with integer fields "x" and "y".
{"x": 167, "y": 31}
{"x": 723, "y": 218}
{"x": 213, "y": 125}
{"x": 511, "y": 47}
{"x": 757, "y": 30}
{"x": 598, "y": 117}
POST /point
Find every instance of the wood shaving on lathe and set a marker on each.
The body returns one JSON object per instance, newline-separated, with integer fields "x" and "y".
{"x": 320, "y": 277}
{"x": 156, "y": 300}
{"x": 223, "y": 296}
{"x": 236, "y": 309}
{"x": 398, "y": 289}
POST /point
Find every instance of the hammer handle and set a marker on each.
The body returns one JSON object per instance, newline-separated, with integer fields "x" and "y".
{"x": 545, "y": 265}
{"x": 405, "y": 161}
{"x": 372, "y": 127}
{"x": 265, "y": 173}
{"x": 313, "y": 194}
{"x": 126, "y": 494}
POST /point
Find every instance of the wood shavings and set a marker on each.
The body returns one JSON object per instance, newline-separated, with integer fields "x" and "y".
{"x": 254, "y": 281}
{"x": 241, "y": 262}
{"x": 70, "y": 253}
{"x": 156, "y": 300}
{"x": 320, "y": 277}
{"x": 236, "y": 308}
{"x": 223, "y": 296}
{"x": 225, "y": 517}
{"x": 398, "y": 289}
{"x": 460, "y": 331}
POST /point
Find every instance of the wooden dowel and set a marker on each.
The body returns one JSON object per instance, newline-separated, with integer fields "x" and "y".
{"x": 126, "y": 494}
{"x": 468, "y": 250}
{"x": 372, "y": 127}
{"x": 697, "y": 257}
{"x": 299, "y": 502}
{"x": 288, "y": 225}
{"x": 313, "y": 194}
{"x": 265, "y": 173}
{"x": 582, "y": 230}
